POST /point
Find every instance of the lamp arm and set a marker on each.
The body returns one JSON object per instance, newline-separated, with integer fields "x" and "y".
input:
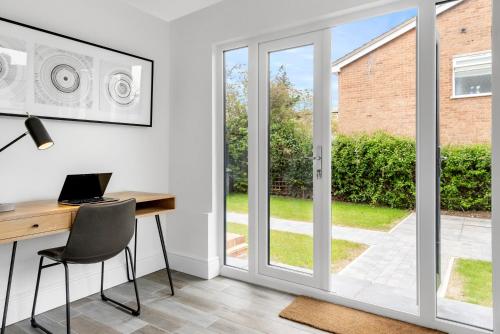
{"x": 14, "y": 141}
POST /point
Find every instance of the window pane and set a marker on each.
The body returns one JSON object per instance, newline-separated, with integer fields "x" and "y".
{"x": 472, "y": 82}
{"x": 472, "y": 74}
{"x": 373, "y": 161}
{"x": 464, "y": 268}
{"x": 236, "y": 157}
{"x": 290, "y": 165}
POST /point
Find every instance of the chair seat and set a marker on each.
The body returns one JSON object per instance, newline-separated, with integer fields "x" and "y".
{"x": 53, "y": 253}
{"x": 57, "y": 254}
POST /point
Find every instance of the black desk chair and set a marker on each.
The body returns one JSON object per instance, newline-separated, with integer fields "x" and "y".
{"x": 99, "y": 233}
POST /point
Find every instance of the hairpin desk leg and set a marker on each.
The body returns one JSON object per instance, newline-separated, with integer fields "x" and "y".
{"x": 162, "y": 241}
{"x": 7, "y": 294}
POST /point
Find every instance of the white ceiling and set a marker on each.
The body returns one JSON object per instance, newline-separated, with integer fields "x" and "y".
{"x": 169, "y": 10}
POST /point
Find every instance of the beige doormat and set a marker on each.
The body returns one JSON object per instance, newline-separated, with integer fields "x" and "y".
{"x": 343, "y": 320}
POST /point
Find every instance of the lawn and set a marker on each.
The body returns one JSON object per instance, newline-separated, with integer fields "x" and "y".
{"x": 471, "y": 282}
{"x": 297, "y": 249}
{"x": 344, "y": 214}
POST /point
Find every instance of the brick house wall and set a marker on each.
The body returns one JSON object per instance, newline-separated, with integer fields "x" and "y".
{"x": 377, "y": 92}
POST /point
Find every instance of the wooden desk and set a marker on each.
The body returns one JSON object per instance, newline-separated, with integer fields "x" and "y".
{"x": 37, "y": 219}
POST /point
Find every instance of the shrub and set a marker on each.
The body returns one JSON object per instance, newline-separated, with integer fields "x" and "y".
{"x": 376, "y": 169}
{"x": 236, "y": 150}
{"x": 380, "y": 169}
{"x": 466, "y": 178}
{"x": 289, "y": 147}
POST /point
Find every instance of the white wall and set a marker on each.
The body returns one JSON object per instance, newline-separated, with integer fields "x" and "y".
{"x": 192, "y": 39}
{"x": 138, "y": 157}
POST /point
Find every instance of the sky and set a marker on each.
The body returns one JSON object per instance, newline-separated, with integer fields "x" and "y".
{"x": 298, "y": 62}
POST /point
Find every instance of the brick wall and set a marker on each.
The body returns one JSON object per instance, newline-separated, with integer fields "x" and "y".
{"x": 378, "y": 91}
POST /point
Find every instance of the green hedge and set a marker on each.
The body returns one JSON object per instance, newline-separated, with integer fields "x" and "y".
{"x": 466, "y": 178}
{"x": 380, "y": 169}
{"x": 377, "y": 169}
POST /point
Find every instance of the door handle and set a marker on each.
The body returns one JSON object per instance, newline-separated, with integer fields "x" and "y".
{"x": 319, "y": 161}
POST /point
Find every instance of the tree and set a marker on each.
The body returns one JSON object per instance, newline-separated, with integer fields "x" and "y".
{"x": 236, "y": 129}
{"x": 289, "y": 132}
{"x": 290, "y": 137}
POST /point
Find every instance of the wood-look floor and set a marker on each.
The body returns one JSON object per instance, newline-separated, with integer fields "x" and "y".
{"x": 219, "y": 305}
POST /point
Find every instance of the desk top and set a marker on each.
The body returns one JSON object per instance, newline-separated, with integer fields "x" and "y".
{"x": 36, "y": 218}
{"x": 48, "y": 207}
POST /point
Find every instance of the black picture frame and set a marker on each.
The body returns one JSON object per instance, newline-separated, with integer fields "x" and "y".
{"x": 27, "y": 26}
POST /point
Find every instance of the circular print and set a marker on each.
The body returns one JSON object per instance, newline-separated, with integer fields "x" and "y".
{"x": 121, "y": 88}
{"x": 63, "y": 78}
{"x": 12, "y": 69}
{"x": 4, "y": 71}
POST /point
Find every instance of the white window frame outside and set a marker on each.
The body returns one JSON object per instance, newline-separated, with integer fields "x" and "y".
{"x": 468, "y": 56}
{"x": 425, "y": 169}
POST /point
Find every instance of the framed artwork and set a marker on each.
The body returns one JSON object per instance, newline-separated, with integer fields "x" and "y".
{"x": 53, "y": 76}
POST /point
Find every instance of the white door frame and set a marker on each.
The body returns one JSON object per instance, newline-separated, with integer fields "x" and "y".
{"x": 321, "y": 139}
{"x": 495, "y": 164}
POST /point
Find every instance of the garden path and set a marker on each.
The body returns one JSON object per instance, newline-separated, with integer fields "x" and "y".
{"x": 367, "y": 237}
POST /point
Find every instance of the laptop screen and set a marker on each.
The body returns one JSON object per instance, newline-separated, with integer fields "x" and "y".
{"x": 84, "y": 186}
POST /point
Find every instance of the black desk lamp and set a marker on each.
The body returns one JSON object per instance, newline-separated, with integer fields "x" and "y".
{"x": 41, "y": 138}
{"x": 37, "y": 131}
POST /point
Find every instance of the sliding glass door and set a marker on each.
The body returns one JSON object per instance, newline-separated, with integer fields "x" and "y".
{"x": 294, "y": 160}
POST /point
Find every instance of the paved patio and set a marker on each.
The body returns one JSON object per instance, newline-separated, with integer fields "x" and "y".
{"x": 385, "y": 274}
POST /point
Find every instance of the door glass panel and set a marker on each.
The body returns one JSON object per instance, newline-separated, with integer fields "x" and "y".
{"x": 290, "y": 195}
{"x": 373, "y": 160}
{"x": 464, "y": 130}
{"x": 236, "y": 157}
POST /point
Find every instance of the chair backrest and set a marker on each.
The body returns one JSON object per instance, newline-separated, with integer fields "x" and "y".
{"x": 100, "y": 231}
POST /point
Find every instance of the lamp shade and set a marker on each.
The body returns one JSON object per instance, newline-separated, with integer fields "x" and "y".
{"x": 38, "y": 132}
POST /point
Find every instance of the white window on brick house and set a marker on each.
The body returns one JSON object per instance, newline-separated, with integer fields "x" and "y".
{"x": 472, "y": 75}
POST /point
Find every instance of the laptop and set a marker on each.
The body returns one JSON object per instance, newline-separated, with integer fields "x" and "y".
{"x": 85, "y": 188}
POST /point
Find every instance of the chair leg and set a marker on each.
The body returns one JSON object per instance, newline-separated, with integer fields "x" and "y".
{"x": 135, "y": 254}
{"x": 126, "y": 264}
{"x": 135, "y": 312}
{"x": 135, "y": 283}
{"x": 33, "y": 320}
{"x": 102, "y": 280}
{"x": 162, "y": 241}
{"x": 68, "y": 314}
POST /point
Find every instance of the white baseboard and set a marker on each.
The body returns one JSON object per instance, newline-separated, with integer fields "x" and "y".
{"x": 203, "y": 268}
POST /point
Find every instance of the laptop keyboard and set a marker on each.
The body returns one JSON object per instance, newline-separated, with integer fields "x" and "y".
{"x": 90, "y": 200}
